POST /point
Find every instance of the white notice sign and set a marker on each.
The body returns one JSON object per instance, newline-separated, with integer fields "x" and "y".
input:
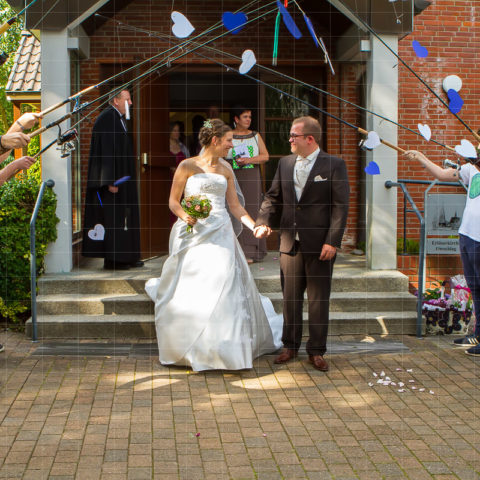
{"x": 442, "y": 246}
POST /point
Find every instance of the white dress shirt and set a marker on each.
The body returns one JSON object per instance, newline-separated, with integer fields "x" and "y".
{"x": 122, "y": 119}
{"x": 302, "y": 169}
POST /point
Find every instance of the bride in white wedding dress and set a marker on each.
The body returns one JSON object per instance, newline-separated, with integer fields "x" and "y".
{"x": 208, "y": 312}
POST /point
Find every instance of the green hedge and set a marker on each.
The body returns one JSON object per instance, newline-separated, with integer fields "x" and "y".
{"x": 17, "y": 201}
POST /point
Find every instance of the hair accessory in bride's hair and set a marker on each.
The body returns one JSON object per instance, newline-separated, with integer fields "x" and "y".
{"x": 207, "y": 124}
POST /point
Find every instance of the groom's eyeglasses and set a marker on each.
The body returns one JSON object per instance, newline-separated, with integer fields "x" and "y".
{"x": 295, "y": 135}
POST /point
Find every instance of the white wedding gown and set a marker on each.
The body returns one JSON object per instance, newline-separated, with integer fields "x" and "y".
{"x": 208, "y": 312}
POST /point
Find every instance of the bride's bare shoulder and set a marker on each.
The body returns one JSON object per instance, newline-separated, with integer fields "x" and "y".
{"x": 226, "y": 167}
{"x": 189, "y": 165}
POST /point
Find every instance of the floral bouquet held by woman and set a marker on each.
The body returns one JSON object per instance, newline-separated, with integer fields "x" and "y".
{"x": 196, "y": 206}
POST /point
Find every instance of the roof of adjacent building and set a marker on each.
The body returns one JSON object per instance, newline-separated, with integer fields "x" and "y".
{"x": 26, "y": 74}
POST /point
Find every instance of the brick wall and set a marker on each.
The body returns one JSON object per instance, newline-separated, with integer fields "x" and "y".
{"x": 451, "y": 32}
{"x": 111, "y": 44}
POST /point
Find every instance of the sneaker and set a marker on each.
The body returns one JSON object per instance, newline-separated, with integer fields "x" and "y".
{"x": 466, "y": 342}
{"x": 2, "y": 348}
{"x": 475, "y": 351}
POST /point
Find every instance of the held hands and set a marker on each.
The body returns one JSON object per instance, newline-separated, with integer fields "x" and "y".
{"x": 262, "y": 231}
{"x": 327, "y": 253}
{"x": 112, "y": 189}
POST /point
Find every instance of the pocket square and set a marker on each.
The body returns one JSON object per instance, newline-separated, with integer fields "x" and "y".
{"x": 319, "y": 178}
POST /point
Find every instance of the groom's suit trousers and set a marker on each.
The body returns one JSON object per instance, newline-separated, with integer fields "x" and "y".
{"x": 299, "y": 273}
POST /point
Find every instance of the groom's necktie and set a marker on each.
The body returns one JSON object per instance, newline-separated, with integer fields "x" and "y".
{"x": 302, "y": 170}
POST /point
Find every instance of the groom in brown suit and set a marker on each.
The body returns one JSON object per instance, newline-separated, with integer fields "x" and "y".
{"x": 310, "y": 195}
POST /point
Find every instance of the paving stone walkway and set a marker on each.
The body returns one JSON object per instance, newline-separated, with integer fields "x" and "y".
{"x": 127, "y": 417}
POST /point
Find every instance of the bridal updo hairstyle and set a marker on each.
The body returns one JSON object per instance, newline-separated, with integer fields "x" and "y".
{"x": 213, "y": 127}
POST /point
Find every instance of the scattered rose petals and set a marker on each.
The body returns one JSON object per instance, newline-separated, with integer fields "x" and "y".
{"x": 401, "y": 390}
{"x": 421, "y": 389}
{"x": 374, "y": 374}
{"x": 401, "y": 384}
{"x": 409, "y": 370}
{"x": 261, "y": 268}
{"x": 398, "y": 369}
{"x": 414, "y": 388}
{"x": 370, "y": 384}
{"x": 382, "y": 374}
{"x": 264, "y": 434}
{"x": 393, "y": 384}
{"x": 411, "y": 381}
{"x": 275, "y": 258}
{"x": 197, "y": 434}
{"x": 431, "y": 392}
{"x": 380, "y": 381}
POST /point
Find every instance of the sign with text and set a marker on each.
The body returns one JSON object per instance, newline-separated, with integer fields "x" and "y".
{"x": 443, "y": 216}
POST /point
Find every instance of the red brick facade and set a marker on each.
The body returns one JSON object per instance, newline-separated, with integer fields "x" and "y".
{"x": 451, "y": 32}
{"x": 446, "y": 28}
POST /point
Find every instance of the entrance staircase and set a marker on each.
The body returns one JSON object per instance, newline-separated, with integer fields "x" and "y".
{"x": 91, "y": 302}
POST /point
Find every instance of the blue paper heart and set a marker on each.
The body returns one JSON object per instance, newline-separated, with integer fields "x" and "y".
{"x": 372, "y": 168}
{"x": 421, "y": 52}
{"x": 234, "y": 21}
{"x": 456, "y": 102}
{"x": 288, "y": 21}
{"x": 311, "y": 30}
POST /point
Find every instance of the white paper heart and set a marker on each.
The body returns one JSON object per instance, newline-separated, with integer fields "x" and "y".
{"x": 466, "y": 149}
{"x": 248, "y": 61}
{"x": 181, "y": 27}
{"x": 425, "y": 131}
{"x": 452, "y": 82}
{"x": 372, "y": 141}
{"x": 97, "y": 233}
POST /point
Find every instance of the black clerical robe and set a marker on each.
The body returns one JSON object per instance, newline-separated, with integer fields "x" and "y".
{"x": 112, "y": 220}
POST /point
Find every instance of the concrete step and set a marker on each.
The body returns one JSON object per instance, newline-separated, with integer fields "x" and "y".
{"x": 105, "y": 304}
{"x": 140, "y": 304}
{"x": 93, "y": 326}
{"x": 143, "y": 326}
{"x": 359, "y": 301}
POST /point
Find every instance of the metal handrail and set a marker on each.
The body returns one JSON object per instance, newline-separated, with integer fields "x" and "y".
{"x": 421, "y": 250}
{"x": 33, "y": 257}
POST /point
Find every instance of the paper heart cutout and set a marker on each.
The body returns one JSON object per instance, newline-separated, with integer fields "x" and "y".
{"x": 289, "y": 21}
{"x": 474, "y": 190}
{"x": 453, "y": 82}
{"x": 97, "y": 233}
{"x": 456, "y": 101}
{"x": 466, "y": 149}
{"x": 425, "y": 131}
{"x": 234, "y": 22}
{"x": 248, "y": 61}
{"x": 311, "y": 30}
{"x": 421, "y": 52}
{"x": 372, "y": 141}
{"x": 372, "y": 168}
{"x": 181, "y": 27}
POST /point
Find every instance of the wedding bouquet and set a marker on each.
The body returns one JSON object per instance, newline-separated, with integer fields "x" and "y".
{"x": 196, "y": 206}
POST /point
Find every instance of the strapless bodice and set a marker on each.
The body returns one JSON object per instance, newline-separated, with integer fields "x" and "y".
{"x": 211, "y": 185}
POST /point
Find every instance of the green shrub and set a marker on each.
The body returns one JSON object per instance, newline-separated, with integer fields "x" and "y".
{"x": 413, "y": 246}
{"x": 17, "y": 201}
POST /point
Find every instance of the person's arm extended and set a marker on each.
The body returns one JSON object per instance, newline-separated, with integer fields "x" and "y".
{"x": 262, "y": 156}
{"x": 442, "y": 174}
{"x": 12, "y": 168}
{"x": 178, "y": 186}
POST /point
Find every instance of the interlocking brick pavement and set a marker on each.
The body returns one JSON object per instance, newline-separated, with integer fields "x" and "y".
{"x": 75, "y": 417}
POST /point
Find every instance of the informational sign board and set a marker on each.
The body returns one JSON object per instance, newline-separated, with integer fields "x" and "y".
{"x": 443, "y": 216}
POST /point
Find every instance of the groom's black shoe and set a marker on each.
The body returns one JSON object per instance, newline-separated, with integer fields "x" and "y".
{"x": 285, "y": 356}
{"x": 110, "y": 265}
{"x": 137, "y": 264}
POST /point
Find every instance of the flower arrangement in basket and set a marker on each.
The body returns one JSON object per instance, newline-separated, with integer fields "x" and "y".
{"x": 444, "y": 313}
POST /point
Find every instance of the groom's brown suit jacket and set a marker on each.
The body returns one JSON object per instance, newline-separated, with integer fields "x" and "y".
{"x": 319, "y": 216}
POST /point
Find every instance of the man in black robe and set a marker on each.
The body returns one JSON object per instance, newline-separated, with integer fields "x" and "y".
{"x": 112, "y": 219}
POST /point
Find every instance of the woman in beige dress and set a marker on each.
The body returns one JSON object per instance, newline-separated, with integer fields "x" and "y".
{"x": 246, "y": 156}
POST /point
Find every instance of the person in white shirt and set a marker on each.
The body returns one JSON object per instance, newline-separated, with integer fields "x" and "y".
{"x": 469, "y": 234}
